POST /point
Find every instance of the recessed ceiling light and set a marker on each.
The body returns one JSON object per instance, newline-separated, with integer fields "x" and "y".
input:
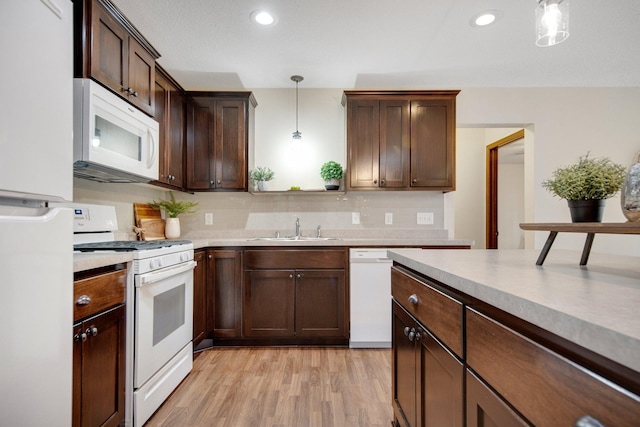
{"x": 263, "y": 17}
{"x": 485, "y": 18}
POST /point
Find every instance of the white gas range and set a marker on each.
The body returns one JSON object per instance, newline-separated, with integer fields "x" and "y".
{"x": 159, "y": 308}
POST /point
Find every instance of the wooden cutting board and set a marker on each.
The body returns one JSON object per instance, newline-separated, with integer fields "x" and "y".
{"x": 150, "y": 219}
{"x": 153, "y": 228}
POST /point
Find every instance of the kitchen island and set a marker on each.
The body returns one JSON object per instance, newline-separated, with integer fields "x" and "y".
{"x": 559, "y": 332}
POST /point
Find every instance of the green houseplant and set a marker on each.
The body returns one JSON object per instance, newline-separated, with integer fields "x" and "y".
{"x": 173, "y": 208}
{"x": 260, "y": 175}
{"x": 331, "y": 172}
{"x": 586, "y": 185}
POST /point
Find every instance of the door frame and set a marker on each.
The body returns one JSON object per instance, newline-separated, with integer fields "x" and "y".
{"x": 491, "y": 240}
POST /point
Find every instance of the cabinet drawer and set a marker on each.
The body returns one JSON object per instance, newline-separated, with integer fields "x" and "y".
{"x": 103, "y": 291}
{"x": 440, "y": 313}
{"x": 295, "y": 258}
{"x": 543, "y": 386}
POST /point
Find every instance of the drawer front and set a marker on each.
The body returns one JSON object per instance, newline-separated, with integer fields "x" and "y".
{"x": 440, "y": 313}
{"x": 295, "y": 258}
{"x": 542, "y": 385}
{"x": 99, "y": 293}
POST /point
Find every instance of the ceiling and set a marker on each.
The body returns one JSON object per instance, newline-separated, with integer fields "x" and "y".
{"x": 387, "y": 44}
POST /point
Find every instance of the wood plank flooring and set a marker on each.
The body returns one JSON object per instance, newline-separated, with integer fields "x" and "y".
{"x": 283, "y": 387}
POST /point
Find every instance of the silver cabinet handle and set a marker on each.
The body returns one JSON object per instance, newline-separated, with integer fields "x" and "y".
{"x": 413, "y": 299}
{"x": 80, "y": 337}
{"x": 93, "y": 331}
{"x": 83, "y": 300}
{"x": 406, "y": 331}
{"x": 291, "y": 276}
{"x": 299, "y": 275}
{"x": 412, "y": 334}
{"x": 587, "y": 421}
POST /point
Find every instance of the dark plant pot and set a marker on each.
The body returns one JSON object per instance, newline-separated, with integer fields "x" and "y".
{"x": 586, "y": 210}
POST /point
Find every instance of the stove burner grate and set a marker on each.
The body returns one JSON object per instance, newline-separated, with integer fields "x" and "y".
{"x": 128, "y": 245}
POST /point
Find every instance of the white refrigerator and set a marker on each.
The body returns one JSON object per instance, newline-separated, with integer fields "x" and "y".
{"x": 36, "y": 248}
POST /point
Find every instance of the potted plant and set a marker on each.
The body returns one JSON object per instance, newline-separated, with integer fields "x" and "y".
{"x": 586, "y": 185}
{"x": 260, "y": 175}
{"x": 331, "y": 172}
{"x": 172, "y": 209}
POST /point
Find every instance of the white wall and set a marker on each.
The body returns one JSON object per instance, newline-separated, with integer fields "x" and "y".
{"x": 568, "y": 123}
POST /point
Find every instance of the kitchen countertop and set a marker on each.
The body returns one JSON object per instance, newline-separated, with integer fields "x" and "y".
{"x": 594, "y": 306}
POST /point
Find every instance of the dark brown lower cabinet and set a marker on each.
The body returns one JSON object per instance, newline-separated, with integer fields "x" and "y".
{"x": 427, "y": 378}
{"x": 224, "y": 293}
{"x": 199, "y": 297}
{"x": 486, "y": 409}
{"x": 99, "y": 369}
{"x": 269, "y": 303}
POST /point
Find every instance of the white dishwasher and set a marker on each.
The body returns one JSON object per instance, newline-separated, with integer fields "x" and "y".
{"x": 370, "y": 298}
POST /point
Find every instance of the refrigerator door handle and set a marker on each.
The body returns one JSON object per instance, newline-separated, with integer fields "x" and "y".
{"x": 46, "y": 217}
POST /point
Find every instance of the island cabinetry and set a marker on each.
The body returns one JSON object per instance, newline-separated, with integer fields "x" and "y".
{"x": 111, "y": 50}
{"x": 99, "y": 349}
{"x": 543, "y": 386}
{"x": 224, "y": 293}
{"x": 219, "y": 132}
{"x": 400, "y": 140}
{"x": 427, "y": 373}
{"x": 296, "y": 294}
{"x": 170, "y": 114}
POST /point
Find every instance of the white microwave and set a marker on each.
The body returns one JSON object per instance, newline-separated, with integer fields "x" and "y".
{"x": 112, "y": 140}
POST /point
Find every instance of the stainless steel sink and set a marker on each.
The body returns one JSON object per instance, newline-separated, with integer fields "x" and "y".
{"x": 293, "y": 239}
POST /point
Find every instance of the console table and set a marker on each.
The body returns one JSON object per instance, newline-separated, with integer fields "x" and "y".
{"x": 591, "y": 228}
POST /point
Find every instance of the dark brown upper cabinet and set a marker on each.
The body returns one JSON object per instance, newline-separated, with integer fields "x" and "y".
{"x": 400, "y": 140}
{"x": 108, "y": 48}
{"x": 219, "y": 131}
{"x": 170, "y": 113}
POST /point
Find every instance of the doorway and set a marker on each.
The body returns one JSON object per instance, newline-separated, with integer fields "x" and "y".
{"x": 505, "y": 158}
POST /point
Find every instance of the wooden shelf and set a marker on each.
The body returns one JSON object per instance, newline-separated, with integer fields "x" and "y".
{"x": 297, "y": 192}
{"x": 591, "y": 228}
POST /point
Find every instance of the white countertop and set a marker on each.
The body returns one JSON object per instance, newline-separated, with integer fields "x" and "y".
{"x": 594, "y": 306}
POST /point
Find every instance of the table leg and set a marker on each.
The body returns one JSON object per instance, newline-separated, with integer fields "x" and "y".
{"x": 547, "y": 246}
{"x": 587, "y": 248}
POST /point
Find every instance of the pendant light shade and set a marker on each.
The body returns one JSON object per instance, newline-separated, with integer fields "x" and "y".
{"x": 297, "y": 135}
{"x": 552, "y": 22}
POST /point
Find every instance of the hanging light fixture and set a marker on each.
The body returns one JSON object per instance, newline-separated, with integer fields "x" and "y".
{"x": 297, "y": 135}
{"x": 552, "y": 22}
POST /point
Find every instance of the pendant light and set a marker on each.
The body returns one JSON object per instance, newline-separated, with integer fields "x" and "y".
{"x": 297, "y": 135}
{"x": 552, "y": 22}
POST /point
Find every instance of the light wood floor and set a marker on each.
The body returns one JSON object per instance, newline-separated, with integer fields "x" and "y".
{"x": 283, "y": 387}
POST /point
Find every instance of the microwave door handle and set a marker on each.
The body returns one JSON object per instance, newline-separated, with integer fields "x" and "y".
{"x": 152, "y": 149}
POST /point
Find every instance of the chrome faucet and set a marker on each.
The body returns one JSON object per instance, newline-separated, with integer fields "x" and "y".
{"x": 297, "y": 227}
{"x": 318, "y": 232}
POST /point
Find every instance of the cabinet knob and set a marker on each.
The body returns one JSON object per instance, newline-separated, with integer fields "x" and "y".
{"x": 83, "y": 300}
{"x": 134, "y": 94}
{"x": 413, "y": 299}
{"x": 218, "y": 182}
{"x": 129, "y": 90}
{"x": 375, "y": 181}
{"x": 382, "y": 182}
{"x": 587, "y": 421}
{"x": 412, "y": 334}
{"x": 80, "y": 337}
{"x": 291, "y": 276}
{"x": 93, "y": 331}
{"x": 211, "y": 183}
{"x": 299, "y": 275}
{"x": 413, "y": 181}
{"x": 406, "y": 331}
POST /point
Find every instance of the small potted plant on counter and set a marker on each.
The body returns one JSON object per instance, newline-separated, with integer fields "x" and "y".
{"x": 172, "y": 209}
{"x": 260, "y": 176}
{"x": 586, "y": 185}
{"x": 331, "y": 172}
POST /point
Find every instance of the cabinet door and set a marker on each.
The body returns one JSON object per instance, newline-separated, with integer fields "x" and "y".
{"x": 440, "y": 390}
{"x": 141, "y": 77}
{"x": 109, "y": 50}
{"x": 320, "y": 303}
{"x": 102, "y": 370}
{"x": 199, "y": 297}
{"x": 200, "y": 134}
{"x": 363, "y": 140}
{"x": 485, "y": 409}
{"x": 224, "y": 293}
{"x": 269, "y": 303}
{"x": 405, "y": 369}
{"x": 394, "y": 144}
{"x": 230, "y": 144}
{"x": 169, "y": 112}
{"x": 432, "y": 144}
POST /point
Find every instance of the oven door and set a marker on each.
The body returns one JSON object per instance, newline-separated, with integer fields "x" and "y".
{"x": 163, "y": 317}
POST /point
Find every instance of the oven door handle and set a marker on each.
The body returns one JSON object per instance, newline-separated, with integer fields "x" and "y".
{"x": 156, "y": 276}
